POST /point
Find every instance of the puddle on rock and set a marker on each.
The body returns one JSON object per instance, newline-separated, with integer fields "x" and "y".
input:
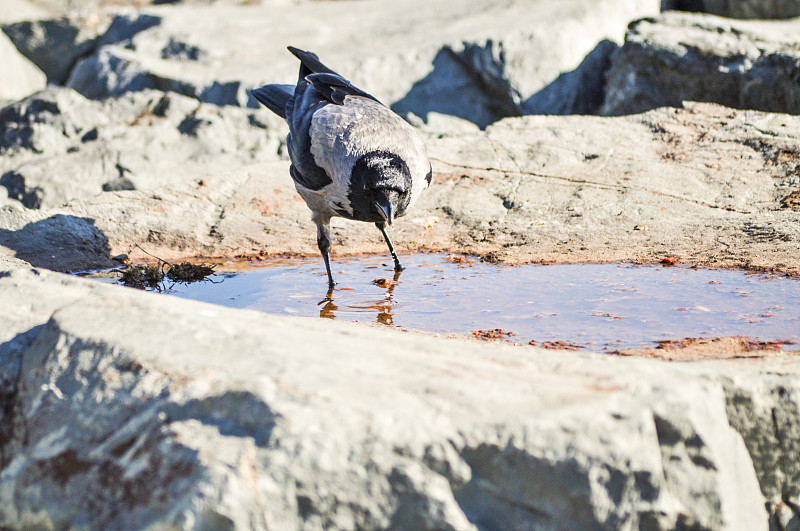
{"x": 598, "y": 306}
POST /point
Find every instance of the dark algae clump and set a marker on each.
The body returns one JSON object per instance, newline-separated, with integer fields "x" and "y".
{"x": 142, "y": 276}
{"x": 151, "y": 276}
{"x": 186, "y": 272}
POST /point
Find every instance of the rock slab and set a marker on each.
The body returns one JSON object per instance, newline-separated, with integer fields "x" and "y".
{"x": 679, "y": 56}
{"x": 54, "y": 45}
{"x": 495, "y": 55}
{"x": 20, "y": 77}
{"x": 301, "y": 425}
{"x": 535, "y": 188}
{"x": 57, "y": 145}
{"x": 738, "y": 8}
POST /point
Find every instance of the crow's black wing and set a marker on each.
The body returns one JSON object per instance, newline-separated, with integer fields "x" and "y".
{"x": 299, "y": 116}
{"x": 328, "y": 83}
{"x": 334, "y": 87}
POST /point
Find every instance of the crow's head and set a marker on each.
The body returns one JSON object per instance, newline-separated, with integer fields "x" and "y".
{"x": 380, "y": 187}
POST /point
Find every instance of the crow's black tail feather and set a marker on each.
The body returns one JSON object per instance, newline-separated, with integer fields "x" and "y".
{"x": 310, "y": 63}
{"x": 274, "y": 97}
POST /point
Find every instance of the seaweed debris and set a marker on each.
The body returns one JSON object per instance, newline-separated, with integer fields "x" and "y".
{"x": 497, "y": 333}
{"x": 152, "y": 275}
{"x": 186, "y": 272}
{"x": 142, "y": 276}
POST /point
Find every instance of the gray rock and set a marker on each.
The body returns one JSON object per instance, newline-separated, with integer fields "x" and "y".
{"x": 537, "y": 188}
{"x": 61, "y": 242}
{"x": 768, "y": 417}
{"x": 580, "y": 91}
{"x": 134, "y": 419}
{"x": 9, "y": 263}
{"x": 20, "y": 77}
{"x": 20, "y": 10}
{"x": 480, "y": 60}
{"x": 455, "y": 88}
{"x": 679, "y": 56}
{"x": 55, "y": 45}
{"x": 57, "y": 145}
{"x": 738, "y": 8}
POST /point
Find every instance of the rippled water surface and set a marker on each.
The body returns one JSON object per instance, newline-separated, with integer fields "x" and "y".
{"x": 601, "y": 306}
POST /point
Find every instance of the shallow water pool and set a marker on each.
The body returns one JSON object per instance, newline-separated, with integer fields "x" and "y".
{"x": 599, "y": 306}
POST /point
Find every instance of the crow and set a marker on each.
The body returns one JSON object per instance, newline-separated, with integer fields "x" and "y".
{"x": 351, "y": 155}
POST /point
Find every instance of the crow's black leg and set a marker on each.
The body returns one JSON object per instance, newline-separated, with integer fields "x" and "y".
{"x": 382, "y": 226}
{"x": 324, "y": 244}
{"x": 327, "y": 259}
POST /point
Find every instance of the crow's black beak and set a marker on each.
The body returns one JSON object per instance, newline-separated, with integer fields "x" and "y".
{"x": 385, "y": 208}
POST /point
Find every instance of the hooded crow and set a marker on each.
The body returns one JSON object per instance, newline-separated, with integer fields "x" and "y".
{"x": 351, "y": 156}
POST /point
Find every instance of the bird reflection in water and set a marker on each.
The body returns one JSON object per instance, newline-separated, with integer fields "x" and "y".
{"x": 329, "y": 308}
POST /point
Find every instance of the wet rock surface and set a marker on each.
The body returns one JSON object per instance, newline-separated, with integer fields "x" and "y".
{"x": 678, "y": 56}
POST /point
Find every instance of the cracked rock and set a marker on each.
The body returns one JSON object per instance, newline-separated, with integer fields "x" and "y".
{"x": 678, "y": 56}
{"x": 667, "y": 171}
{"x": 57, "y": 145}
{"x": 738, "y": 8}
{"x": 501, "y": 58}
{"x": 288, "y": 434}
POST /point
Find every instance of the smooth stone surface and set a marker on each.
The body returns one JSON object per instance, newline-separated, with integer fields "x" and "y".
{"x": 679, "y": 56}
{"x": 21, "y": 10}
{"x": 20, "y": 76}
{"x": 309, "y": 424}
{"x": 496, "y": 55}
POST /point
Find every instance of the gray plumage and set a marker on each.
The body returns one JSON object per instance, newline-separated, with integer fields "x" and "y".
{"x": 351, "y": 155}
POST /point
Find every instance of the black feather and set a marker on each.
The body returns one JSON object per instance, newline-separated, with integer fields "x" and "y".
{"x": 309, "y": 63}
{"x": 274, "y": 97}
{"x": 318, "y": 178}
{"x": 334, "y": 88}
{"x": 333, "y": 80}
{"x": 378, "y": 170}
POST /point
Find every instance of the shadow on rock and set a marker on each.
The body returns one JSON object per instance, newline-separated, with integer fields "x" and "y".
{"x": 473, "y": 84}
{"x": 469, "y": 84}
{"x": 580, "y": 91}
{"x": 694, "y": 6}
{"x": 14, "y": 183}
{"x": 61, "y": 243}
{"x": 752, "y": 9}
{"x": 10, "y": 366}
{"x": 679, "y": 57}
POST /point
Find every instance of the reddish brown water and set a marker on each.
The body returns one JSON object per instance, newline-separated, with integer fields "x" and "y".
{"x": 600, "y": 306}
